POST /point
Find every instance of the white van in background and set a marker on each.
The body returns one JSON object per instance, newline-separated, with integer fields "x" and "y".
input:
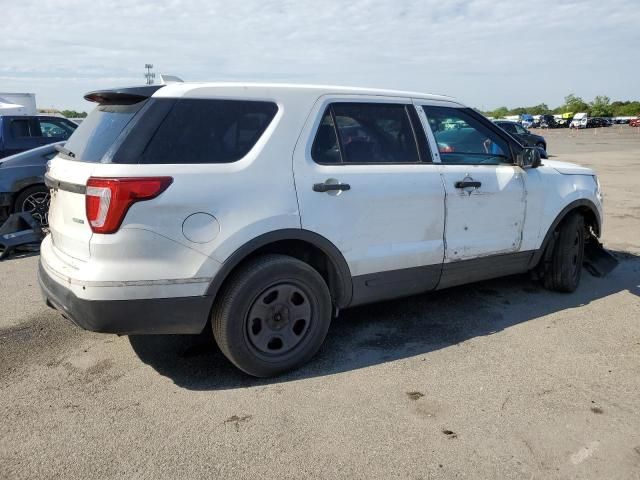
{"x": 579, "y": 120}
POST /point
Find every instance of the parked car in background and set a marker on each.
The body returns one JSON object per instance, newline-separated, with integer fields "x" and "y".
{"x": 22, "y": 187}
{"x": 597, "y": 122}
{"x": 635, "y": 122}
{"x": 563, "y": 120}
{"x": 524, "y": 136}
{"x": 548, "y": 121}
{"x": 580, "y": 120}
{"x": 526, "y": 120}
{"x": 22, "y": 133}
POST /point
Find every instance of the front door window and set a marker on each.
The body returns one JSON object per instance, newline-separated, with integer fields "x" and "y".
{"x": 462, "y": 139}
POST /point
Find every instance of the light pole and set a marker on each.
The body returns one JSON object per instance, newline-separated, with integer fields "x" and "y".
{"x": 150, "y": 76}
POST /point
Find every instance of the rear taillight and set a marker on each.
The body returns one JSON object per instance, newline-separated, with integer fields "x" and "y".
{"x": 108, "y": 199}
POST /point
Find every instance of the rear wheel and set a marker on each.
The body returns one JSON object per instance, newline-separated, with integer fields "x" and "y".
{"x": 272, "y": 316}
{"x": 35, "y": 200}
{"x": 564, "y": 265}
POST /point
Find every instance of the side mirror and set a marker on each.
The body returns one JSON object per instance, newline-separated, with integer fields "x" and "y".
{"x": 529, "y": 157}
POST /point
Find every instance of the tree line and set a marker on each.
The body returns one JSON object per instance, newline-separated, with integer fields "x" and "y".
{"x": 601, "y": 106}
{"x": 73, "y": 114}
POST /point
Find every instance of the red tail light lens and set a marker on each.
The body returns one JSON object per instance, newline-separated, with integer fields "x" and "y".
{"x": 107, "y": 200}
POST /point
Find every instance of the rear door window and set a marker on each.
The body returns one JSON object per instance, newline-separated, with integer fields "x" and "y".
{"x": 365, "y": 133}
{"x": 325, "y": 148}
{"x": 23, "y": 128}
{"x": 52, "y": 128}
{"x": 208, "y": 131}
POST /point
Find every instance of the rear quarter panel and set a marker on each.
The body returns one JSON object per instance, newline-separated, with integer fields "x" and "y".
{"x": 248, "y": 198}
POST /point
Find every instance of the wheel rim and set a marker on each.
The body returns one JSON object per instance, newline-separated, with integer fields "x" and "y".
{"x": 279, "y": 319}
{"x": 37, "y": 204}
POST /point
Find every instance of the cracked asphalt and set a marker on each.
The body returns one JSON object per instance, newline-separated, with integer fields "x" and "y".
{"x": 499, "y": 379}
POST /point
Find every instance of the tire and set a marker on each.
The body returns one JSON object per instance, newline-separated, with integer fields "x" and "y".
{"x": 254, "y": 321}
{"x": 34, "y": 200}
{"x": 564, "y": 267}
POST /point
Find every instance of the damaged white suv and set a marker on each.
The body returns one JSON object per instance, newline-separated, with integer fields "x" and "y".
{"x": 263, "y": 209}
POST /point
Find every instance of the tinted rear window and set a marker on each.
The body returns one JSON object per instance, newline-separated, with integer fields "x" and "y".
{"x": 208, "y": 131}
{"x": 98, "y": 132}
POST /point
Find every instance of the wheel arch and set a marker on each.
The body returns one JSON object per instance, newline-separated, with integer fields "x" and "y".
{"x": 583, "y": 206}
{"x": 305, "y": 245}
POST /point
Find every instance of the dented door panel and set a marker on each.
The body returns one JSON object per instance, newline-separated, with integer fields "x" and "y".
{"x": 484, "y": 219}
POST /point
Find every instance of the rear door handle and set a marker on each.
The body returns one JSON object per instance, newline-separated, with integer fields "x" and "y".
{"x": 468, "y": 183}
{"x": 327, "y": 187}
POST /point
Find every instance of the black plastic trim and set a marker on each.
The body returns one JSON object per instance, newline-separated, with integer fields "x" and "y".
{"x": 484, "y": 268}
{"x": 583, "y": 202}
{"x": 65, "y": 186}
{"x": 181, "y": 315}
{"x": 329, "y": 187}
{"x": 375, "y": 287}
{"x": 343, "y": 289}
{"x": 122, "y": 96}
{"x": 424, "y": 150}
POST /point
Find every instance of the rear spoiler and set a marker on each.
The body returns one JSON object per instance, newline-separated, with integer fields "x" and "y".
{"x": 122, "y": 96}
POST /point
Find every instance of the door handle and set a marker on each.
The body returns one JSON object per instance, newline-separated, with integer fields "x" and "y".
{"x": 468, "y": 183}
{"x": 327, "y": 187}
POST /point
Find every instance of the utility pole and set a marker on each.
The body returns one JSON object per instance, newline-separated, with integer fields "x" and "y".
{"x": 150, "y": 76}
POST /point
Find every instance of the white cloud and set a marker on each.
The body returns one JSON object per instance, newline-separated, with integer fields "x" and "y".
{"x": 484, "y": 52}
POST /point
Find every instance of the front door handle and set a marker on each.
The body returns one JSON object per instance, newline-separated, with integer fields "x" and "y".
{"x": 327, "y": 187}
{"x": 468, "y": 183}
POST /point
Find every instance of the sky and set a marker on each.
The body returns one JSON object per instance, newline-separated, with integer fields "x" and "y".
{"x": 485, "y": 53}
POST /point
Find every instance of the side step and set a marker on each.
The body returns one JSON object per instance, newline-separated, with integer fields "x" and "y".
{"x": 19, "y": 230}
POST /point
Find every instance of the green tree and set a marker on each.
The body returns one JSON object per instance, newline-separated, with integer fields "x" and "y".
{"x": 601, "y": 107}
{"x": 574, "y": 104}
{"x": 625, "y": 109}
{"x": 73, "y": 114}
{"x": 541, "y": 109}
{"x": 499, "y": 112}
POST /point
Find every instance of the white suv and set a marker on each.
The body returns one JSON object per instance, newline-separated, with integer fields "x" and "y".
{"x": 265, "y": 209}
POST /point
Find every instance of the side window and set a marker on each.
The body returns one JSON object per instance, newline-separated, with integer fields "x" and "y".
{"x": 22, "y": 128}
{"x": 520, "y": 129}
{"x": 375, "y": 133}
{"x": 325, "y": 146}
{"x": 509, "y": 127}
{"x": 55, "y": 129}
{"x": 461, "y": 138}
{"x": 209, "y": 131}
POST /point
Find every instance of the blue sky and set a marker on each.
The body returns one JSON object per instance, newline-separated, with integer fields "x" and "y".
{"x": 486, "y": 53}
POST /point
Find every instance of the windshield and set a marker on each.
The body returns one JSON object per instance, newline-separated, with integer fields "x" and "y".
{"x": 97, "y": 133}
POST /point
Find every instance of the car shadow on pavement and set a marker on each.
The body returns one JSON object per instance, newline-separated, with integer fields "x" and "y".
{"x": 392, "y": 330}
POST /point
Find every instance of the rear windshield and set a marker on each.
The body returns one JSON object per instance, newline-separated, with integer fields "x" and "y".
{"x": 98, "y": 132}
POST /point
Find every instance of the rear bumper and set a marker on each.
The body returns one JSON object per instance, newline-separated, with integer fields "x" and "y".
{"x": 177, "y": 315}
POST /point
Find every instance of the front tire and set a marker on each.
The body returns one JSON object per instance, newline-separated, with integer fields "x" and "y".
{"x": 564, "y": 267}
{"x": 272, "y": 316}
